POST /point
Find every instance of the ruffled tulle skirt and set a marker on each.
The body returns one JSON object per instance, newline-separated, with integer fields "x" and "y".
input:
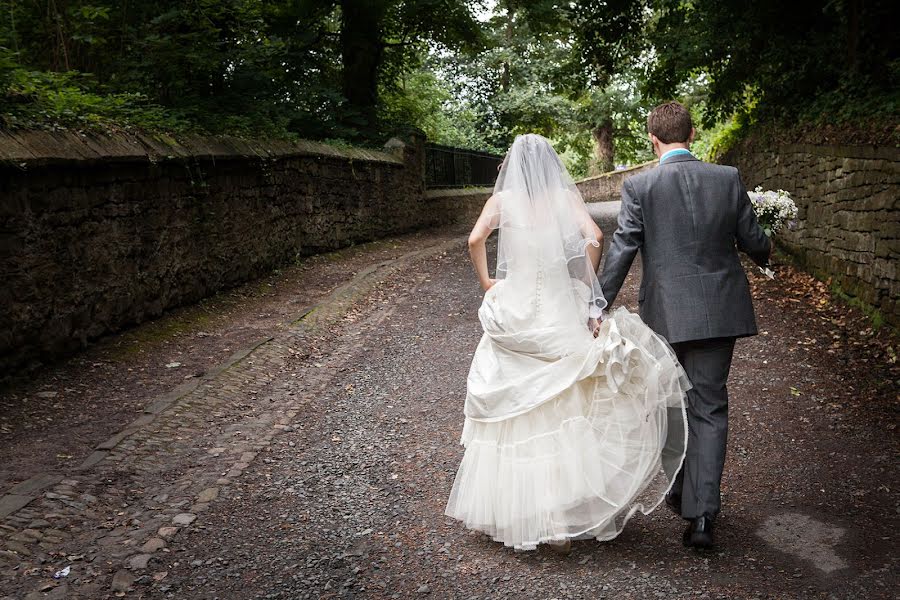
{"x": 582, "y": 460}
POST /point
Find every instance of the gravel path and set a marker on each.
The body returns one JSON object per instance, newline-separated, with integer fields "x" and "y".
{"x": 349, "y": 502}
{"x": 52, "y": 418}
{"x": 318, "y": 466}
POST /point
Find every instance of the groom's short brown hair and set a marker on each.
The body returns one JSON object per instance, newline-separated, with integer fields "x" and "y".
{"x": 670, "y": 122}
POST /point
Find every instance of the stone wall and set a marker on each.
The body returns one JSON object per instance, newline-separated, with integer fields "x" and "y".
{"x": 608, "y": 186}
{"x": 461, "y": 206}
{"x": 464, "y": 205}
{"x": 849, "y": 203}
{"x": 98, "y": 232}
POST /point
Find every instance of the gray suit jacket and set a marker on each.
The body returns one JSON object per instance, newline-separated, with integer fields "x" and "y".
{"x": 688, "y": 218}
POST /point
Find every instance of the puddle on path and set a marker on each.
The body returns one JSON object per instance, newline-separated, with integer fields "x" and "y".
{"x": 806, "y": 538}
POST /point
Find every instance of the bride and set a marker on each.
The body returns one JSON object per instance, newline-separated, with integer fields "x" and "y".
{"x": 571, "y": 424}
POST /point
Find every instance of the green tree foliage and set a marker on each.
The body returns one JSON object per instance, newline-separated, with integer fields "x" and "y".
{"x": 211, "y": 63}
{"x": 469, "y": 72}
{"x": 381, "y": 38}
{"x": 533, "y": 77}
{"x": 425, "y": 100}
{"x": 609, "y": 35}
{"x": 311, "y": 67}
{"x": 836, "y": 60}
{"x": 797, "y": 64}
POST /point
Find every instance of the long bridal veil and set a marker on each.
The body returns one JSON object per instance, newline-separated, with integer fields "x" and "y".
{"x": 566, "y": 435}
{"x": 544, "y": 224}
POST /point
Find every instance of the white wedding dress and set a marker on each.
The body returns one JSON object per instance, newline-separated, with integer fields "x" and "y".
{"x": 566, "y": 435}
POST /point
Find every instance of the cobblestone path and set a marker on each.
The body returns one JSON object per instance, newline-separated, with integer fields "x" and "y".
{"x": 316, "y": 464}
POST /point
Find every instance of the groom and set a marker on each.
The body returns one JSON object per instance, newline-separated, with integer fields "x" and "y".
{"x": 689, "y": 218}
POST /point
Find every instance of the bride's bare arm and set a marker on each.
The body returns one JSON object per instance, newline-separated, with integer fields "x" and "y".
{"x": 484, "y": 226}
{"x": 595, "y": 253}
{"x": 590, "y": 230}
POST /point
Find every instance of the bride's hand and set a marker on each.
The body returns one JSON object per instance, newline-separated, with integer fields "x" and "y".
{"x": 488, "y": 284}
{"x": 594, "y": 326}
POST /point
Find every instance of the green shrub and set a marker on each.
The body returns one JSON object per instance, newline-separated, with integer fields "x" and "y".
{"x": 50, "y": 100}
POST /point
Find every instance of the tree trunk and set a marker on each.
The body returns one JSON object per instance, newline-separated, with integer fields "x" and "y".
{"x": 604, "y": 149}
{"x": 362, "y": 52}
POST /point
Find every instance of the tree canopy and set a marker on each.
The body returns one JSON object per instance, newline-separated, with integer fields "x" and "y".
{"x": 471, "y": 73}
{"x": 316, "y": 68}
{"x": 838, "y": 59}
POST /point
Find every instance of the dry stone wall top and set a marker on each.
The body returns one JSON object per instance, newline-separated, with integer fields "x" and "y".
{"x": 608, "y": 186}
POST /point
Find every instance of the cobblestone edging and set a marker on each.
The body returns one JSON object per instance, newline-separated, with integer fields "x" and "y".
{"x": 110, "y": 517}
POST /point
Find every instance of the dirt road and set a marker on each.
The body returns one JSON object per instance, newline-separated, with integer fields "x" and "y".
{"x": 317, "y": 465}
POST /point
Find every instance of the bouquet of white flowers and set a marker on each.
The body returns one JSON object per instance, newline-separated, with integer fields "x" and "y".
{"x": 773, "y": 209}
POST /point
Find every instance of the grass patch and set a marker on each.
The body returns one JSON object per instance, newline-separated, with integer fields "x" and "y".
{"x": 154, "y": 333}
{"x": 876, "y": 318}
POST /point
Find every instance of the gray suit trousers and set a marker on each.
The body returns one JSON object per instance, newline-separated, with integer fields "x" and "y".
{"x": 707, "y": 363}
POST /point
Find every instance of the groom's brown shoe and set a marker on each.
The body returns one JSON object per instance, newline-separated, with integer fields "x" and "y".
{"x": 699, "y": 534}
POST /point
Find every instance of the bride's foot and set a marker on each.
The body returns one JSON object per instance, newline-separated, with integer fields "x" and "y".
{"x": 563, "y": 547}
